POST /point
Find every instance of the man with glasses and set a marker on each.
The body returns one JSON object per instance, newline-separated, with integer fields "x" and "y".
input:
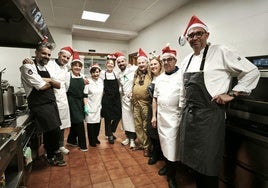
{"x": 206, "y": 75}
{"x": 166, "y": 113}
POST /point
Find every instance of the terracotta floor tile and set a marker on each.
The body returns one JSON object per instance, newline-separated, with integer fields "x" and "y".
{"x": 140, "y": 180}
{"x": 128, "y": 162}
{"x": 134, "y": 171}
{"x": 79, "y": 170}
{"x": 123, "y": 183}
{"x": 107, "y": 184}
{"x": 117, "y": 173}
{"x": 113, "y": 164}
{"x": 96, "y": 168}
{"x": 80, "y": 181}
{"x": 99, "y": 177}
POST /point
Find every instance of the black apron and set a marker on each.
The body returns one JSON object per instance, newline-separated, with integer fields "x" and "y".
{"x": 111, "y": 103}
{"x": 151, "y": 131}
{"x": 43, "y": 107}
{"x": 75, "y": 95}
{"x": 202, "y": 126}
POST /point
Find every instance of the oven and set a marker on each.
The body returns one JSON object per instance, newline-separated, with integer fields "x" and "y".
{"x": 246, "y": 143}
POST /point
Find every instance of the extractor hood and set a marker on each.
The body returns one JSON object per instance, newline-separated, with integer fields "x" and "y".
{"x": 22, "y": 24}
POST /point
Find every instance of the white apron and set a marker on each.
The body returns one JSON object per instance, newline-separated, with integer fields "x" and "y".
{"x": 167, "y": 89}
{"x": 61, "y": 97}
{"x": 94, "y": 90}
{"x": 126, "y": 82}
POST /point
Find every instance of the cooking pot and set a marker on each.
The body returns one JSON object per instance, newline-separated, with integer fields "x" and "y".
{"x": 20, "y": 99}
{"x": 9, "y": 101}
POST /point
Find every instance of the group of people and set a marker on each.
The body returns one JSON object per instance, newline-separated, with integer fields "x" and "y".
{"x": 171, "y": 112}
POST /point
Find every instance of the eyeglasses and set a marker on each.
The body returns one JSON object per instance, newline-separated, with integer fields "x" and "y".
{"x": 198, "y": 35}
{"x": 168, "y": 59}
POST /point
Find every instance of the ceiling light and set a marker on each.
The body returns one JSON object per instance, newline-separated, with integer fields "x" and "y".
{"x": 94, "y": 16}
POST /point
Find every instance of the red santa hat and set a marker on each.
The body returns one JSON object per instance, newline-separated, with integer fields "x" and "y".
{"x": 96, "y": 65}
{"x": 194, "y": 22}
{"x": 67, "y": 49}
{"x": 76, "y": 58}
{"x": 111, "y": 56}
{"x": 141, "y": 55}
{"x": 119, "y": 55}
{"x": 166, "y": 51}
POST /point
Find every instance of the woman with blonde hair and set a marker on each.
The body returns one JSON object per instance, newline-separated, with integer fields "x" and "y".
{"x": 156, "y": 68}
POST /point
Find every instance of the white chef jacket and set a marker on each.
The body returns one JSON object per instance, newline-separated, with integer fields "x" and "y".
{"x": 94, "y": 90}
{"x": 126, "y": 83}
{"x": 220, "y": 66}
{"x": 167, "y": 92}
{"x": 31, "y": 79}
{"x": 60, "y": 94}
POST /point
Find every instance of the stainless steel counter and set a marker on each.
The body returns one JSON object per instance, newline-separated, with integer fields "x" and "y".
{"x": 12, "y": 136}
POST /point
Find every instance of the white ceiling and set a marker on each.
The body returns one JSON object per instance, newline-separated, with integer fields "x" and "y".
{"x": 127, "y": 17}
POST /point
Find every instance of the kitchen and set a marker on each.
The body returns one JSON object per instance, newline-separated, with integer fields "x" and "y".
{"x": 241, "y": 25}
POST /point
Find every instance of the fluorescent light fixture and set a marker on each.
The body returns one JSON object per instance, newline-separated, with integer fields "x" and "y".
{"x": 95, "y": 16}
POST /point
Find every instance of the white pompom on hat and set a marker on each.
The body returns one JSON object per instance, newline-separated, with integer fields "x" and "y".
{"x": 166, "y": 51}
{"x": 111, "y": 56}
{"x": 67, "y": 49}
{"x": 194, "y": 22}
{"x": 142, "y": 55}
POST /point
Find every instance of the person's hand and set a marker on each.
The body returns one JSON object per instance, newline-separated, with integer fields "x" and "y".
{"x": 86, "y": 109}
{"x": 27, "y": 61}
{"x": 222, "y": 98}
{"x": 154, "y": 122}
{"x": 86, "y": 81}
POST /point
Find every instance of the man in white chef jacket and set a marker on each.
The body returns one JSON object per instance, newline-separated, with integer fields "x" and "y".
{"x": 166, "y": 113}
{"x": 59, "y": 68}
{"x": 126, "y": 77}
{"x": 206, "y": 75}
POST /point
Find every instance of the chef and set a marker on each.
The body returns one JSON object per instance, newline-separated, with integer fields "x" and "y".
{"x": 206, "y": 75}
{"x": 59, "y": 68}
{"x": 126, "y": 76}
{"x": 38, "y": 84}
{"x": 166, "y": 113}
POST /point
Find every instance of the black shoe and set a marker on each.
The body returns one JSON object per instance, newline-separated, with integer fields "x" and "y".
{"x": 163, "y": 171}
{"x": 172, "y": 183}
{"x": 114, "y": 137}
{"x": 152, "y": 160}
{"x": 111, "y": 140}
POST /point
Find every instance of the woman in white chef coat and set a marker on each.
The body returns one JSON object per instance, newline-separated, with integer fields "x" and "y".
{"x": 166, "y": 113}
{"x": 94, "y": 90}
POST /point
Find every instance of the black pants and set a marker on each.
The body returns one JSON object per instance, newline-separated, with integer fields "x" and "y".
{"x": 131, "y": 135}
{"x": 110, "y": 126}
{"x": 77, "y": 135}
{"x": 206, "y": 181}
{"x": 93, "y": 130}
{"x": 156, "y": 151}
{"x": 171, "y": 169}
{"x": 51, "y": 142}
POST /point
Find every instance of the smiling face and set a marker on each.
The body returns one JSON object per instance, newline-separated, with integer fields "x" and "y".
{"x": 169, "y": 63}
{"x": 155, "y": 67}
{"x": 197, "y": 38}
{"x": 122, "y": 64}
{"x": 42, "y": 55}
{"x": 76, "y": 68}
{"x": 63, "y": 58}
{"x": 142, "y": 64}
{"x": 95, "y": 73}
{"x": 109, "y": 65}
